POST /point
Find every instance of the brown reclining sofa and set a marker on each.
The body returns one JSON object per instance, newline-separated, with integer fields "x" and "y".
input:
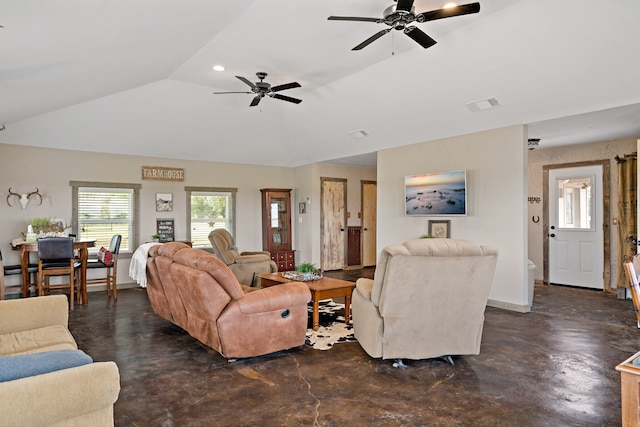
{"x": 197, "y": 292}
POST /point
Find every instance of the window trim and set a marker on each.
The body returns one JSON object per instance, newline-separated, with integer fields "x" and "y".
{"x": 135, "y": 221}
{"x": 190, "y": 189}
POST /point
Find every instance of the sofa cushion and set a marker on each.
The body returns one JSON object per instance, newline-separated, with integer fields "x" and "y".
{"x": 28, "y": 365}
{"x": 48, "y": 338}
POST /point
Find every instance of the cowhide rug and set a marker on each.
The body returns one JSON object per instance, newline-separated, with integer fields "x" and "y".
{"x": 332, "y": 328}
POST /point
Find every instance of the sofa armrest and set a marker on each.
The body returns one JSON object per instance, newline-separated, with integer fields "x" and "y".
{"x": 32, "y": 313}
{"x": 364, "y": 286}
{"x": 62, "y": 395}
{"x": 274, "y": 298}
{"x": 250, "y": 259}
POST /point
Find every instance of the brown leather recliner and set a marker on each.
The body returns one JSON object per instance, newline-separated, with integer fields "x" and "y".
{"x": 245, "y": 265}
{"x": 198, "y": 292}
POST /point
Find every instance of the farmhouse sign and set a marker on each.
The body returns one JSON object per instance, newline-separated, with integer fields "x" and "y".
{"x": 162, "y": 174}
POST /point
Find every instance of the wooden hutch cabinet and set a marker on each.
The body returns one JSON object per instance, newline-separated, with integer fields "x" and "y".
{"x": 276, "y": 226}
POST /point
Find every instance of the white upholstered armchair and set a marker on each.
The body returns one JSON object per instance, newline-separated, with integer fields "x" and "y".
{"x": 244, "y": 265}
{"x": 427, "y": 300}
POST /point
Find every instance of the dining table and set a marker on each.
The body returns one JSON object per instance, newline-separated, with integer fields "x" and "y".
{"x": 26, "y": 248}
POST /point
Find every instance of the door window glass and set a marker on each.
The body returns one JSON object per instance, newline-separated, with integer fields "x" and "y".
{"x": 575, "y": 203}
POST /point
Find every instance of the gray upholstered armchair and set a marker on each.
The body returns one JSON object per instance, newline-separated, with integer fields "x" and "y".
{"x": 244, "y": 265}
{"x": 427, "y": 300}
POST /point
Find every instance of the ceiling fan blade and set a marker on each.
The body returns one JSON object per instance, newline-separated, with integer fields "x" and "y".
{"x": 405, "y": 5}
{"x": 255, "y": 101}
{"x": 419, "y": 36}
{"x": 354, "y": 18}
{"x": 246, "y": 81}
{"x": 286, "y": 98}
{"x": 373, "y": 38}
{"x": 463, "y": 9}
{"x": 222, "y": 93}
{"x": 285, "y": 86}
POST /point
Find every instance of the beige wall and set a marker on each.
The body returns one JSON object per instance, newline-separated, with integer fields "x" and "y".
{"x": 25, "y": 168}
{"x": 495, "y": 162}
{"x": 574, "y": 153}
{"x": 308, "y": 185}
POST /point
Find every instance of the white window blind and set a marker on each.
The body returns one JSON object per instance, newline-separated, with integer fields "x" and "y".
{"x": 210, "y": 210}
{"x": 103, "y": 212}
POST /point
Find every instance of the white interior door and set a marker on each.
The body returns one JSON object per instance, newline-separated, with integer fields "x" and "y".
{"x": 576, "y": 243}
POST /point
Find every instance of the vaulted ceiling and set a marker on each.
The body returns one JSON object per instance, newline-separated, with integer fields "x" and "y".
{"x": 135, "y": 77}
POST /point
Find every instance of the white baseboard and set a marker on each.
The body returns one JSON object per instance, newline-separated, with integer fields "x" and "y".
{"x": 509, "y": 306}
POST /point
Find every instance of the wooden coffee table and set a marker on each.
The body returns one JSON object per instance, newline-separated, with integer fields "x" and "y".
{"x": 320, "y": 289}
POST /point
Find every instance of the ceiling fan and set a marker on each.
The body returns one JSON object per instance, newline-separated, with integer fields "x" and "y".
{"x": 401, "y": 14}
{"x": 262, "y": 89}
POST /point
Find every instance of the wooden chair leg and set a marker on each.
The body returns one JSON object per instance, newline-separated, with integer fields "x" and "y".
{"x": 39, "y": 290}
{"x": 114, "y": 284}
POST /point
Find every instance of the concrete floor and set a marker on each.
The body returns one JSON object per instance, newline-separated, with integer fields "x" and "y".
{"x": 551, "y": 367}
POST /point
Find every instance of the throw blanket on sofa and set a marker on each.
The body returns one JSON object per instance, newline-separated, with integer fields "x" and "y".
{"x": 138, "y": 266}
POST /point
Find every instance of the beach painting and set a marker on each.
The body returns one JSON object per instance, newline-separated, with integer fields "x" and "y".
{"x": 443, "y": 193}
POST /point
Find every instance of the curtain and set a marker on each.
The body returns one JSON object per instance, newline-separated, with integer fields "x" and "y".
{"x": 627, "y": 213}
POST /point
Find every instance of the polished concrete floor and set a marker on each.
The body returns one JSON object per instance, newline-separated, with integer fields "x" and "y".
{"x": 554, "y": 366}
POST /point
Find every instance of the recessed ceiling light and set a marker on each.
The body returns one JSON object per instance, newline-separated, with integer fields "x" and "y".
{"x": 218, "y": 68}
{"x": 357, "y": 134}
{"x": 483, "y": 104}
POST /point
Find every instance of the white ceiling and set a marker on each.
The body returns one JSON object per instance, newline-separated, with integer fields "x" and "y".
{"x": 135, "y": 77}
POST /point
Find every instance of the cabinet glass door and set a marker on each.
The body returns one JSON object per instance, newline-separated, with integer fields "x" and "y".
{"x": 279, "y": 222}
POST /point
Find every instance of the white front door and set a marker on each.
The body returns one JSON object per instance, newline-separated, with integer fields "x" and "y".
{"x": 576, "y": 241}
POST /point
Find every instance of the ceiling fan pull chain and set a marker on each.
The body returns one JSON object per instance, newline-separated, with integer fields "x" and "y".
{"x": 393, "y": 44}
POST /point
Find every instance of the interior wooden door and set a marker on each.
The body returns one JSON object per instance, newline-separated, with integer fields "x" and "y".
{"x": 369, "y": 201}
{"x": 333, "y": 223}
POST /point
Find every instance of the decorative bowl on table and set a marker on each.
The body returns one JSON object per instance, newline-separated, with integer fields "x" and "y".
{"x": 302, "y": 277}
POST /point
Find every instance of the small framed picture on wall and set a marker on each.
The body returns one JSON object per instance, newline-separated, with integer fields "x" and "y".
{"x": 164, "y": 202}
{"x": 439, "y": 229}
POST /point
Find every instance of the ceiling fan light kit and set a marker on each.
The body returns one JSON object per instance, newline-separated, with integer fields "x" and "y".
{"x": 400, "y": 15}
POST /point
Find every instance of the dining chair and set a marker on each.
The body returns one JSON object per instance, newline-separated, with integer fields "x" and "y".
{"x": 11, "y": 270}
{"x": 111, "y": 277}
{"x": 56, "y": 258}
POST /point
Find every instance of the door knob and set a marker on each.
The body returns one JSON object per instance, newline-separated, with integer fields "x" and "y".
{"x": 552, "y": 235}
{"x": 553, "y": 227}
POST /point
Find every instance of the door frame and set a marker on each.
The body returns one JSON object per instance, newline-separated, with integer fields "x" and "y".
{"x": 606, "y": 252}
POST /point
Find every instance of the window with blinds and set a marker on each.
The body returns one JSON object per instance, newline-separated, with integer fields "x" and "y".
{"x": 101, "y": 212}
{"x": 209, "y": 209}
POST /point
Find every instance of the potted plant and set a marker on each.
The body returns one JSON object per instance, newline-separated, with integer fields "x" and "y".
{"x": 155, "y": 237}
{"x": 306, "y": 268}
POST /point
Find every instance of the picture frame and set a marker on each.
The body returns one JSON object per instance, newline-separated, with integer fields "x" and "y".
{"x": 165, "y": 228}
{"x": 302, "y": 208}
{"x": 440, "y": 229}
{"x": 164, "y": 202}
{"x": 436, "y": 194}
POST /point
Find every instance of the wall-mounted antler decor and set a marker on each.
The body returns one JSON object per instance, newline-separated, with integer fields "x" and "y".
{"x": 24, "y": 198}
